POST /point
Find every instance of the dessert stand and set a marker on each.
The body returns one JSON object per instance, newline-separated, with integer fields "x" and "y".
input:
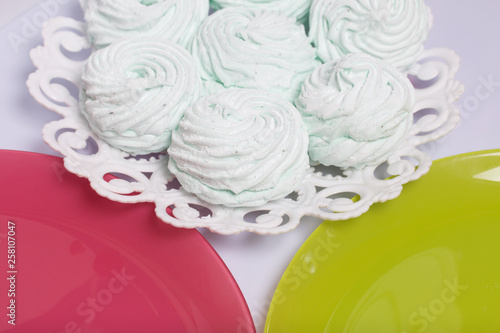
{"x": 327, "y": 193}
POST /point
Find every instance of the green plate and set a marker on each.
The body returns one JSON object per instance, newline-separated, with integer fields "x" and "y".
{"x": 428, "y": 261}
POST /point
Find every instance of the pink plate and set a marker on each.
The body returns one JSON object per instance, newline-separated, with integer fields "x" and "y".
{"x": 76, "y": 262}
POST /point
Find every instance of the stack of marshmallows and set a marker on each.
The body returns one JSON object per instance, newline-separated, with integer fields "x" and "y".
{"x": 246, "y": 95}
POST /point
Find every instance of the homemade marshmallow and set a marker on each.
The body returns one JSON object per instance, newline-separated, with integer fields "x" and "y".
{"x": 250, "y": 48}
{"x": 298, "y": 9}
{"x": 242, "y": 147}
{"x": 356, "y": 110}
{"x": 135, "y": 91}
{"x": 174, "y": 20}
{"x": 393, "y": 31}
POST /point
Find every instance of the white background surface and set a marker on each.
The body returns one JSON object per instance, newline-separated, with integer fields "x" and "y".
{"x": 471, "y": 28}
{"x": 10, "y": 12}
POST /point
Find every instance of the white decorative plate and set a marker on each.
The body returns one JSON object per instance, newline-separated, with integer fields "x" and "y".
{"x": 326, "y": 193}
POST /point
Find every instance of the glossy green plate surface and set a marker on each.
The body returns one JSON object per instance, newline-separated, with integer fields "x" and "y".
{"x": 428, "y": 261}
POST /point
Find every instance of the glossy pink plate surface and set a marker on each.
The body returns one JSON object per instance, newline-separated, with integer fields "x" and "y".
{"x": 86, "y": 264}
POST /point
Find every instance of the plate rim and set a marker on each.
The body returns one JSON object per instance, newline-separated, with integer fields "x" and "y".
{"x": 320, "y": 231}
{"x": 28, "y": 166}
